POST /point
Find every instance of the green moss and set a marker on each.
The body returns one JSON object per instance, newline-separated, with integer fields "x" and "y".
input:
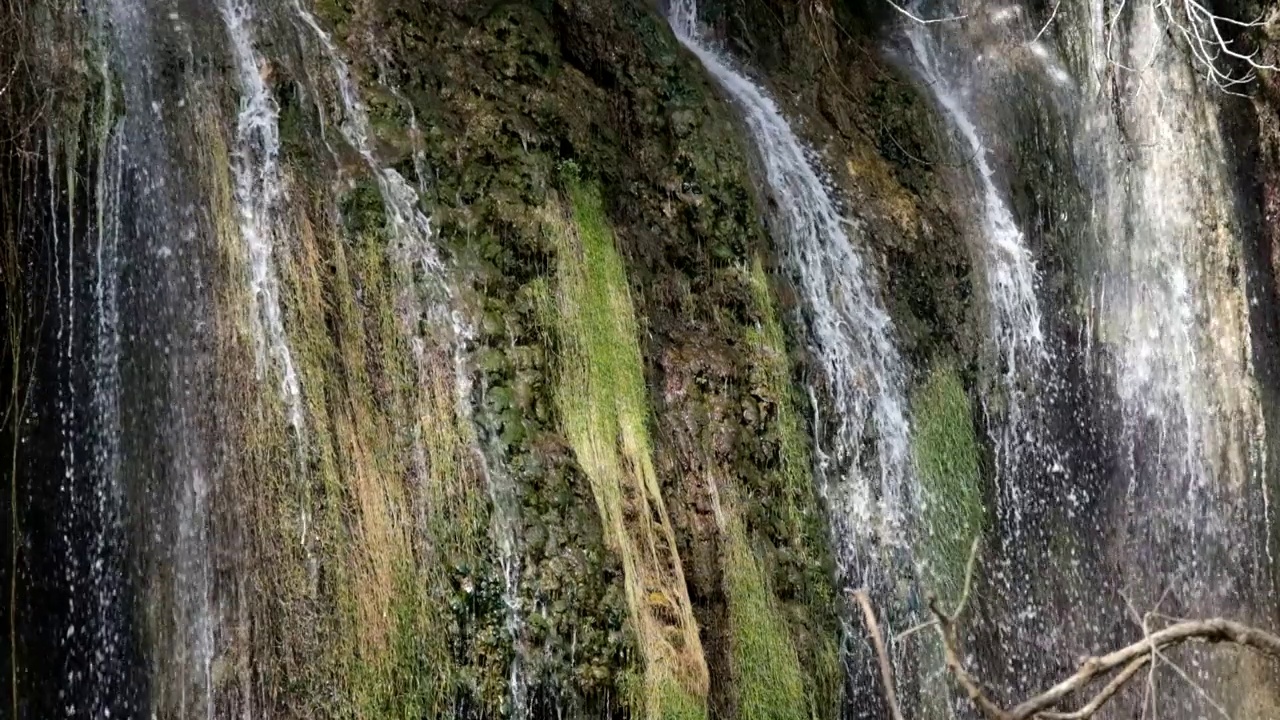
{"x": 335, "y": 14}
{"x": 386, "y": 479}
{"x": 673, "y": 701}
{"x": 949, "y": 466}
{"x": 773, "y": 375}
{"x": 789, "y": 485}
{"x": 767, "y": 674}
{"x": 603, "y": 407}
{"x": 948, "y": 463}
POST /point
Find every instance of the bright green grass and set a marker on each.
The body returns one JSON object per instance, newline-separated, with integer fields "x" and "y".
{"x": 949, "y": 466}
{"x": 603, "y": 407}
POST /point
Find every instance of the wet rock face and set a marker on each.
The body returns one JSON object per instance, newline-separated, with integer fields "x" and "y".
{"x": 511, "y": 101}
{"x": 422, "y": 524}
{"x": 316, "y": 589}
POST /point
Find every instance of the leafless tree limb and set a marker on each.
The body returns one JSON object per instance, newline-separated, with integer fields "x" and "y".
{"x": 925, "y": 21}
{"x": 877, "y": 641}
{"x": 1117, "y": 668}
{"x": 1215, "y": 54}
{"x": 1202, "y": 31}
{"x": 912, "y": 631}
{"x": 1102, "y": 697}
{"x": 1048, "y": 22}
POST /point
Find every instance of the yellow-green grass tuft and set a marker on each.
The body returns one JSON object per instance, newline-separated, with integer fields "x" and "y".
{"x": 603, "y": 407}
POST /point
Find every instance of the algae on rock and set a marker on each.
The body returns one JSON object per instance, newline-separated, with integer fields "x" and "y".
{"x": 791, "y": 480}
{"x": 768, "y": 677}
{"x": 949, "y": 464}
{"x": 603, "y": 406}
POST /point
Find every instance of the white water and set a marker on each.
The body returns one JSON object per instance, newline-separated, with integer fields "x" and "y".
{"x": 852, "y": 333}
{"x": 104, "y": 576}
{"x": 413, "y": 251}
{"x": 160, "y": 241}
{"x": 1010, "y": 271}
{"x": 1171, "y": 303}
{"x": 1152, "y": 302}
{"x": 258, "y": 192}
{"x": 1010, "y": 268}
{"x": 410, "y": 227}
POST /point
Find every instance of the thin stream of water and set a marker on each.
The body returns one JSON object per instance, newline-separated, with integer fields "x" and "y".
{"x": 1011, "y": 277}
{"x": 870, "y": 493}
{"x": 431, "y": 296}
{"x": 257, "y": 192}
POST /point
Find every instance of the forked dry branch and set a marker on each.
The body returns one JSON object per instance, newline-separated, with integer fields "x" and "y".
{"x": 1113, "y": 670}
{"x": 1213, "y": 40}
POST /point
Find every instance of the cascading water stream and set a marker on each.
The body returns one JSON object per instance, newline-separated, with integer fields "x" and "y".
{"x": 412, "y": 249}
{"x": 851, "y": 332}
{"x": 869, "y": 494}
{"x": 257, "y": 193}
{"x": 963, "y": 66}
{"x": 1170, "y": 301}
{"x": 1010, "y": 270}
{"x": 106, "y": 573}
{"x": 1168, "y": 311}
{"x": 159, "y": 315}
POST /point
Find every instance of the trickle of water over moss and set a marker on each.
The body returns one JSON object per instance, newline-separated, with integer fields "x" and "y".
{"x": 773, "y": 373}
{"x": 948, "y": 461}
{"x": 604, "y": 411}
{"x": 389, "y": 604}
{"x": 792, "y": 483}
{"x": 766, "y": 668}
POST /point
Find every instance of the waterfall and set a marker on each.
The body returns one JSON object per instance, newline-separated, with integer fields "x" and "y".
{"x": 106, "y": 571}
{"x": 851, "y": 332}
{"x": 257, "y": 194}
{"x": 1181, "y": 492}
{"x": 1010, "y": 268}
{"x": 961, "y": 66}
{"x": 1104, "y": 315}
{"x": 167, "y": 438}
{"x": 413, "y": 251}
{"x": 1170, "y": 302}
{"x": 850, "y": 329}
{"x": 1011, "y": 278}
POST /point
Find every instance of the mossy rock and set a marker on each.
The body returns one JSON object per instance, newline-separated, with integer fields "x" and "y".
{"x": 949, "y": 464}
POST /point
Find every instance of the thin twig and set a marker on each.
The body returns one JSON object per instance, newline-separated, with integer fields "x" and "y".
{"x": 969, "y": 568}
{"x": 908, "y": 633}
{"x": 1102, "y": 697}
{"x": 886, "y": 667}
{"x": 925, "y": 21}
{"x": 1048, "y": 22}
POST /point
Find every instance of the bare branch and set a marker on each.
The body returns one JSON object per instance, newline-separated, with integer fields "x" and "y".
{"x": 969, "y": 569}
{"x": 912, "y": 631}
{"x": 1129, "y": 659}
{"x": 1215, "y": 630}
{"x": 924, "y": 21}
{"x": 1048, "y": 22}
{"x": 1201, "y": 30}
{"x": 1183, "y": 674}
{"x": 1102, "y": 697}
{"x": 886, "y": 667}
{"x": 974, "y": 691}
